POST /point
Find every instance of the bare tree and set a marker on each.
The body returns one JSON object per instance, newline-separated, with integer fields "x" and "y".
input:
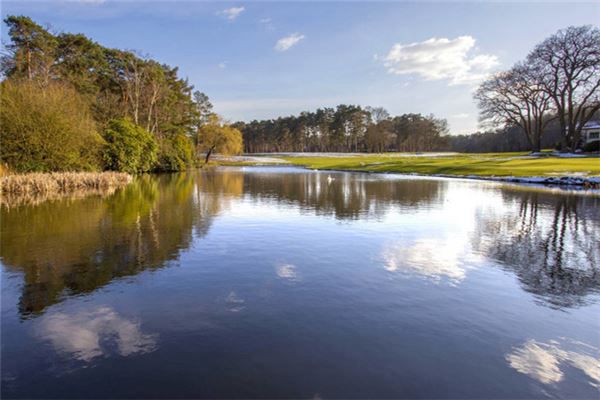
{"x": 567, "y": 65}
{"x": 516, "y": 98}
{"x": 377, "y": 114}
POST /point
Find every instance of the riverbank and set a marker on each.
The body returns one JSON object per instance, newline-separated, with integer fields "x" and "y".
{"x": 541, "y": 168}
{"x": 25, "y": 187}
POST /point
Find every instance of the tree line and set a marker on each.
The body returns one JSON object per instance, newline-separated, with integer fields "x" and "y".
{"x": 346, "y": 128}
{"x": 69, "y": 103}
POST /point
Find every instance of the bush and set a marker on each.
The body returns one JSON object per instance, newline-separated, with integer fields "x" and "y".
{"x": 129, "y": 147}
{"x": 591, "y": 147}
{"x": 46, "y": 128}
{"x": 175, "y": 153}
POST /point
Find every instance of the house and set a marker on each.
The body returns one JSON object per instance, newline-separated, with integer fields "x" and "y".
{"x": 590, "y": 136}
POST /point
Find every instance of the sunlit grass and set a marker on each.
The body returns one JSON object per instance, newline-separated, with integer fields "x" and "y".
{"x": 483, "y": 164}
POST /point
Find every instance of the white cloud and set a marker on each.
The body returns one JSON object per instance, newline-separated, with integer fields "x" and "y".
{"x": 222, "y": 65}
{"x": 264, "y": 20}
{"x": 287, "y": 42}
{"x": 442, "y": 58}
{"x": 232, "y": 13}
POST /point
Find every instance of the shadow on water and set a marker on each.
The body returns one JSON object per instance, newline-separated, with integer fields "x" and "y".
{"x": 71, "y": 247}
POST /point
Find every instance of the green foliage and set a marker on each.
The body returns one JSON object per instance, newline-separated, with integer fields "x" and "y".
{"x": 116, "y": 83}
{"x": 175, "y": 154}
{"x": 31, "y": 52}
{"x": 47, "y": 130}
{"x": 219, "y": 137}
{"x": 129, "y": 147}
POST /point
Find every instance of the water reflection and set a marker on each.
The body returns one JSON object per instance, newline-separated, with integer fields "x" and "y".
{"x": 550, "y": 242}
{"x": 287, "y": 272}
{"x": 234, "y": 302}
{"x": 434, "y": 259}
{"x": 235, "y": 272}
{"x": 68, "y": 247}
{"x": 347, "y": 196}
{"x": 71, "y": 247}
{"x": 88, "y": 334}
{"x": 545, "y": 362}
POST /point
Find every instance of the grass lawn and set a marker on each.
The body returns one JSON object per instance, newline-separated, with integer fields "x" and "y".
{"x": 488, "y": 164}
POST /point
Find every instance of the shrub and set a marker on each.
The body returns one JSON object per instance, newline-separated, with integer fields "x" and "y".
{"x": 175, "y": 154}
{"x": 46, "y": 128}
{"x": 591, "y": 147}
{"x": 129, "y": 147}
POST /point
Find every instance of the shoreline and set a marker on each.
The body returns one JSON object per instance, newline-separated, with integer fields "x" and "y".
{"x": 591, "y": 184}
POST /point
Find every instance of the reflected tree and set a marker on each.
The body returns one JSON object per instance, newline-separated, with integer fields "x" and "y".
{"x": 342, "y": 195}
{"x": 71, "y": 247}
{"x": 550, "y": 242}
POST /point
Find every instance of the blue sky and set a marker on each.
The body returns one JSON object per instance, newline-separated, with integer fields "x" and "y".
{"x": 266, "y": 59}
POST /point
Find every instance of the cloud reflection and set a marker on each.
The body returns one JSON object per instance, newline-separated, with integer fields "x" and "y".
{"x": 287, "y": 272}
{"x": 430, "y": 258}
{"x": 234, "y": 302}
{"x": 545, "y": 362}
{"x": 87, "y": 335}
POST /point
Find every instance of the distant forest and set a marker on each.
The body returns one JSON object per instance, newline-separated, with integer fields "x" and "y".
{"x": 351, "y": 128}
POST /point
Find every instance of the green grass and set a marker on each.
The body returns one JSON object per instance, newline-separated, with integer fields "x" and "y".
{"x": 488, "y": 164}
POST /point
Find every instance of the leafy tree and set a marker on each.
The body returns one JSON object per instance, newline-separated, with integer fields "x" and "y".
{"x": 49, "y": 129}
{"x": 129, "y": 147}
{"x": 219, "y": 137}
{"x": 32, "y": 50}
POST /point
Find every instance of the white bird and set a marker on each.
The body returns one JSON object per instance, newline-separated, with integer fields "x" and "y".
{"x": 329, "y": 179}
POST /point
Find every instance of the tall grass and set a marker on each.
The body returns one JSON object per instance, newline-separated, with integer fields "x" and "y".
{"x": 34, "y": 184}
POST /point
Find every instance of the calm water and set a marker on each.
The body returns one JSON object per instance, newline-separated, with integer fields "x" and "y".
{"x": 280, "y": 282}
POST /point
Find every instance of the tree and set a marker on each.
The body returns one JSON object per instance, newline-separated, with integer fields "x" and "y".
{"x": 129, "y": 147}
{"x": 377, "y": 114}
{"x": 567, "y": 65}
{"x": 415, "y": 132}
{"x": 46, "y": 129}
{"x": 203, "y": 108}
{"x": 517, "y": 98}
{"x": 202, "y": 112}
{"x": 219, "y": 137}
{"x": 32, "y": 50}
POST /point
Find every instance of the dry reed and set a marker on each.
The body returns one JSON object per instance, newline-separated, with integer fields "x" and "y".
{"x": 58, "y": 183}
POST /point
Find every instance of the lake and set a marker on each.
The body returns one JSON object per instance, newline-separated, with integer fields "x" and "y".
{"x": 282, "y": 282}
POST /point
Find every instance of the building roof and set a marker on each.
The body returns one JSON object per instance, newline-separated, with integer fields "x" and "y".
{"x": 592, "y": 125}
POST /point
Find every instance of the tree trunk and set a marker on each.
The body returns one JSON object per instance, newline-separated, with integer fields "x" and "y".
{"x": 208, "y": 155}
